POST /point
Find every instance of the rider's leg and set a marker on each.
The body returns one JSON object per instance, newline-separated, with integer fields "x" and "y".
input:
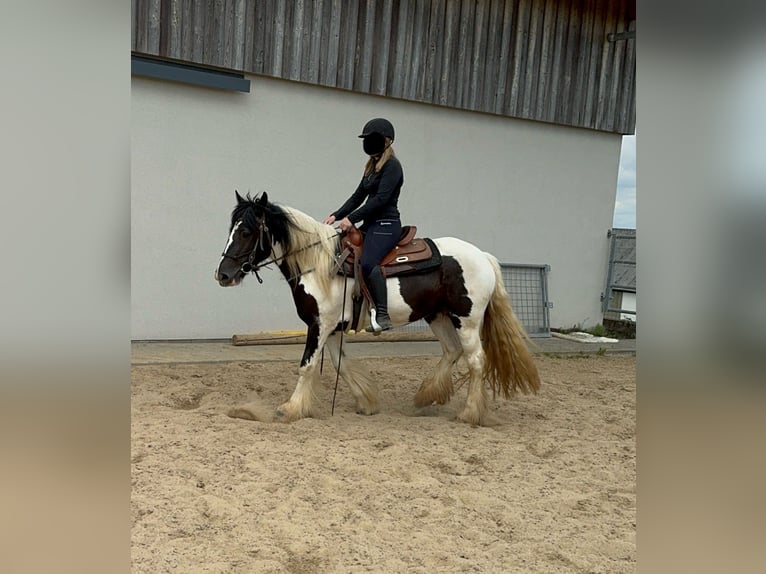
{"x": 376, "y": 283}
{"x": 381, "y": 237}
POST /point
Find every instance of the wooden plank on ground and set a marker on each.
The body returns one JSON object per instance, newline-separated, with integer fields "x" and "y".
{"x": 294, "y": 338}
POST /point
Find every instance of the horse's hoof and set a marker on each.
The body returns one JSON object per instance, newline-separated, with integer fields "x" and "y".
{"x": 423, "y": 401}
{"x": 464, "y": 421}
{"x": 288, "y": 413}
{"x": 431, "y": 396}
{"x": 421, "y": 404}
{"x": 282, "y": 416}
{"x": 470, "y": 418}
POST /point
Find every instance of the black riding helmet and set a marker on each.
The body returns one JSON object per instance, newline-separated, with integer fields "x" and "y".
{"x": 374, "y": 135}
{"x": 380, "y": 126}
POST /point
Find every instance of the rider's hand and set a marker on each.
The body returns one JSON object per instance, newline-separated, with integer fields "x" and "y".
{"x": 329, "y": 220}
{"x": 345, "y": 224}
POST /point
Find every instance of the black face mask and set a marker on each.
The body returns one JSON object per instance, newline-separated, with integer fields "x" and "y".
{"x": 373, "y": 144}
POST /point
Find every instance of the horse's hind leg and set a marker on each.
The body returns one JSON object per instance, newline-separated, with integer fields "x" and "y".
{"x": 437, "y": 387}
{"x": 476, "y": 402}
{"x": 356, "y": 377}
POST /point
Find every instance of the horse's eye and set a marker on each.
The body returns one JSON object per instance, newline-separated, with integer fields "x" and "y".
{"x": 245, "y": 232}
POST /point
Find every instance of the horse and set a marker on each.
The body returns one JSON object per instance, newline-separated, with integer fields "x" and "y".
{"x": 463, "y": 301}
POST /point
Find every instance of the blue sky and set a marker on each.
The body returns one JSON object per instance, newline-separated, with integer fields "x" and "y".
{"x": 625, "y": 206}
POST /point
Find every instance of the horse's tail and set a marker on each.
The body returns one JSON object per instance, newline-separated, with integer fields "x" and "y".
{"x": 508, "y": 363}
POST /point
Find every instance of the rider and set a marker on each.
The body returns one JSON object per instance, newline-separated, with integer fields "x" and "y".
{"x": 380, "y": 186}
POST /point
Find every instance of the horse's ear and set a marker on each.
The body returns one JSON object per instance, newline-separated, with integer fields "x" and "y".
{"x": 240, "y": 199}
{"x": 264, "y": 199}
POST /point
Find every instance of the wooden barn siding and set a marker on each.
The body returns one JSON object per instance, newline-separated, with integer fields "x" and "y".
{"x": 546, "y": 60}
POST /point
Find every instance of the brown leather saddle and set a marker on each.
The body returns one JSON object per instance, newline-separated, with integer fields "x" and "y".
{"x": 411, "y": 254}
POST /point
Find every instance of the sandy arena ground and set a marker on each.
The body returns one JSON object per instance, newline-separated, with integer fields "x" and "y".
{"x": 549, "y": 488}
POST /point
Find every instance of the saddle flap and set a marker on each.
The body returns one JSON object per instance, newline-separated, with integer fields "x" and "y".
{"x": 415, "y": 250}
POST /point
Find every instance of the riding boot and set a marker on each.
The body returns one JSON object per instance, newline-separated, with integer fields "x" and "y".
{"x": 379, "y": 319}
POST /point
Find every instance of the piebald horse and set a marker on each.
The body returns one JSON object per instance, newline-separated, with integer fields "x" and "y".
{"x": 463, "y": 301}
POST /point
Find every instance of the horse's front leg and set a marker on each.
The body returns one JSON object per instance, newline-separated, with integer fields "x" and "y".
{"x": 300, "y": 403}
{"x": 356, "y": 376}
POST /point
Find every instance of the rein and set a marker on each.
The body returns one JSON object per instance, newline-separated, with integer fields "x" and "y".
{"x": 340, "y": 349}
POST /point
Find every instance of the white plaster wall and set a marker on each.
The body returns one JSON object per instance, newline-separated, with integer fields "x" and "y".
{"x": 526, "y": 191}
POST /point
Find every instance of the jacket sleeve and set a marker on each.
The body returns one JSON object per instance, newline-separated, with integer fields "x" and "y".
{"x": 352, "y": 203}
{"x": 389, "y": 180}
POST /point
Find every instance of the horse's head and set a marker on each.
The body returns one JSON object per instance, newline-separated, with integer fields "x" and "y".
{"x": 251, "y": 241}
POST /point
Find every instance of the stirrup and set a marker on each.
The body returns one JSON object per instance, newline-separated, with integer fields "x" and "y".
{"x": 374, "y": 327}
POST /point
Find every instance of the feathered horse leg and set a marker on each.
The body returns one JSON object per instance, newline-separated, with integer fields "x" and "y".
{"x": 496, "y": 352}
{"x": 356, "y": 377}
{"x": 300, "y": 403}
{"x": 322, "y": 310}
{"x": 437, "y": 386}
{"x": 476, "y": 401}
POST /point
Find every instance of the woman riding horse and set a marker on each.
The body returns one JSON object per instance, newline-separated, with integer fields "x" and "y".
{"x": 463, "y": 300}
{"x": 380, "y": 185}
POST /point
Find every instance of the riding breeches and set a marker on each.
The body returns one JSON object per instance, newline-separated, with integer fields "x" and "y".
{"x": 380, "y": 238}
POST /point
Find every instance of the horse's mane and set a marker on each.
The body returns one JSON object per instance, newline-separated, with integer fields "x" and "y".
{"x": 307, "y": 243}
{"x": 312, "y": 246}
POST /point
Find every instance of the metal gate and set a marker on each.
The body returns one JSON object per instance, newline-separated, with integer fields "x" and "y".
{"x": 621, "y": 273}
{"x": 527, "y": 286}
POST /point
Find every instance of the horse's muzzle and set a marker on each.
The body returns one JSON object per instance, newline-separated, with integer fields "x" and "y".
{"x": 224, "y": 280}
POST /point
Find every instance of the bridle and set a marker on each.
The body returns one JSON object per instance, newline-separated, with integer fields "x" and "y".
{"x": 250, "y": 266}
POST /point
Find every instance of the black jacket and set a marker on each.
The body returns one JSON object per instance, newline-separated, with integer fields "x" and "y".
{"x": 382, "y": 192}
